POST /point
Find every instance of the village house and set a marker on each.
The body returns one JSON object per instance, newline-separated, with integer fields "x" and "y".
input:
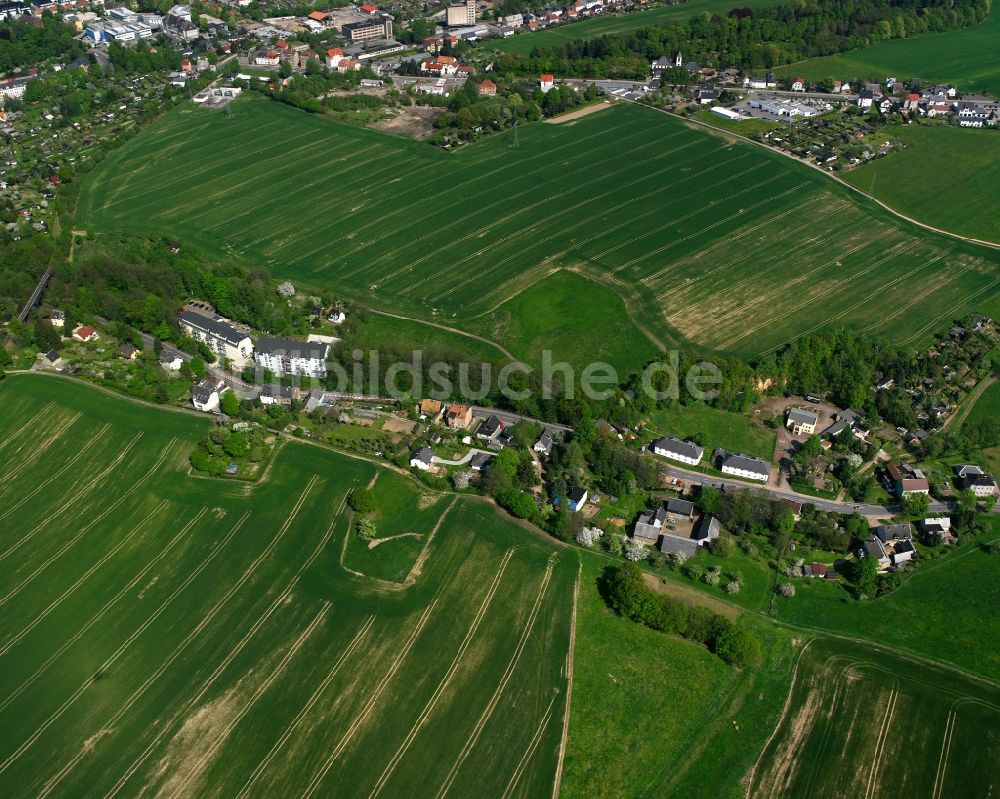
{"x": 680, "y": 451}
{"x": 86, "y": 333}
{"x": 431, "y": 408}
{"x": 487, "y": 88}
{"x": 972, "y": 477}
{"x": 801, "y": 421}
{"x": 458, "y": 417}
{"x": 910, "y": 481}
{"x": 577, "y": 499}
{"x": 768, "y": 81}
{"x": 799, "y": 85}
{"x": 128, "y": 352}
{"x": 274, "y": 394}
{"x": 422, "y": 459}
{"x": 170, "y": 361}
{"x": 874, "y": 548}
{"x": 205, "y": 395}
{"x": 57, "y": 318}
{"x": 544, "y": 444}
{"x": 220, "y": 336}
{"x": 746, "y": 467}
{"x": 546, "y": 82}
{"x": 334, "y": 56}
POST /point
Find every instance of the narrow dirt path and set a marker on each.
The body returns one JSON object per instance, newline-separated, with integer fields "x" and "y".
{"x": 507, "y": 353}
{"x": 569, "y": 686}
{"x": 970, "y": 401}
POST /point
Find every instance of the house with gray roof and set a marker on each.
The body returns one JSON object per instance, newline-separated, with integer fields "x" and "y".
{"x": 707, "y": 530}
{"x": 874, "y": 548}
{"x": 649, "y": 526}
{"x": 746, "y": 467}
{"x": 894, "y": 532}
{"x": 220, "y": 336}
{"x": 681, "y": 451}
{"x": 800, "y": 421}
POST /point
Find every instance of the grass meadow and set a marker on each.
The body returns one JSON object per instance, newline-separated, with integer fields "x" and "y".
{"x": 969, "y": 58}
{"x": 655, "y": 715}
{"x": 163, "y": 633}
{"x": 946, "y": 177}
{"x": 705, "y": 241}
{"x": 945, "y": 611}
{"x": 611, "y": 24}
{"x": 863, "y": 722}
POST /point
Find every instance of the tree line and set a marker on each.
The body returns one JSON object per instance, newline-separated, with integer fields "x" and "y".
{"x": 752, "y": 39}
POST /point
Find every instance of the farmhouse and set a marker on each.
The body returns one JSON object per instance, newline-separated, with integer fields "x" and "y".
{"x": 974, "y": 478}
{"x": 649, "y": 525}
{"x": 902, "y": 552}
{"x": 681, "y": 451}
{"x": 544, "y": 444}
{"x": 422, "y": 459}
{"x": 707, "y": 530}
{"x": 458, "y": 417}
{"x": 205, "y": 395}
{"x": 85, "y": 333}
{"x": 577, "y": 498}
{"x": 801, "y": 421}
{"x": 910, "y": 482}
{"x": 681, "y": 508}
{"x": 220, "y": 336}
{"x": 874, "y": 548}
{"x": 170, "y": 361}
{"x": 894, "y": 532}
{"x": 285, "y": 356}
{"x": 746, "y": 467}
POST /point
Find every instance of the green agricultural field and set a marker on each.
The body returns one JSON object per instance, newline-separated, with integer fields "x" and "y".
{"x": 987, "y": 405}
{"x": 524, "y": 43}
{"x": 969, "y": 58}
{"x": 861, "y": 721}
{"x": 909, "y": 181}
{"x": 948, "y": 607}
{"x": 653, "y": 715}
{"x": 707, "y": 241}
{"x": 163, "y": 633}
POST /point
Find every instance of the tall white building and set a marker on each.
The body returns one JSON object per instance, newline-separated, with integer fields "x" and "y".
{"x": 285, "y": 356}
{"x": 464, "y": 14}
{"x": 220, "y": 336}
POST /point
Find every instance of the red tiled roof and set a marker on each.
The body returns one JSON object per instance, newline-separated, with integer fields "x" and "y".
{"x": 488, "y": 84}
{"x": 319, "y": 16}
{"x": 334, "y": 51}
{"x": 85, "y": 332}
{"x": 546, "y": 78}
{"x": 369, "y": 8}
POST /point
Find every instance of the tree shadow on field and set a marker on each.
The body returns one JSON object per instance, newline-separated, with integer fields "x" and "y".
{"x": 603, "y": 585}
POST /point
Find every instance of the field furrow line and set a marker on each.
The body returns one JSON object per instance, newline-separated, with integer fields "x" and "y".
{"x": 881, "y": 289}
{"x": 445, "y": 681}
{"x": 191, "y": 703}
{"x": 40, "y": 448}
{"x": 87, "y": 528}
{"x": 191, "y": 173}
{"x": 81, "y": 579}
{"x": 534, "y": 226}
{"x": 949, "y": 729}
{"x": 542, "y": 271}
{"x": 883, "y": 734}
{"x": 799, "y": 278}
{"x": 87, "y": 448}
{"x": 360, "y": 719}
{"x": 664, "y": 288}
{"x": 694, "y": 309}
{"x": 309, "y": 705}
{"x": 257, "y": 694}
{"x": 698, "y": 212}
{"x": 936, "y": 320}
{"x": 97, "y": 617}
{"x": 57, "y": 714}
{"x": 480, "y": 178}
{"x": 557, "y": 782}
{"x": 478, "y": 233}
{"x": 536, "y": 738}
{"x": 702, "y": 231}
{"x": 27, "y": 428}
{"x": 86, "y": 489}
{"x": 507, "y": 675}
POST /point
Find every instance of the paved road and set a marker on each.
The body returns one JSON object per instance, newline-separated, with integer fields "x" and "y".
{"x": 462, "y": 461}
{"x": 508, "y": 418}
{"x": 875, "y": 511}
